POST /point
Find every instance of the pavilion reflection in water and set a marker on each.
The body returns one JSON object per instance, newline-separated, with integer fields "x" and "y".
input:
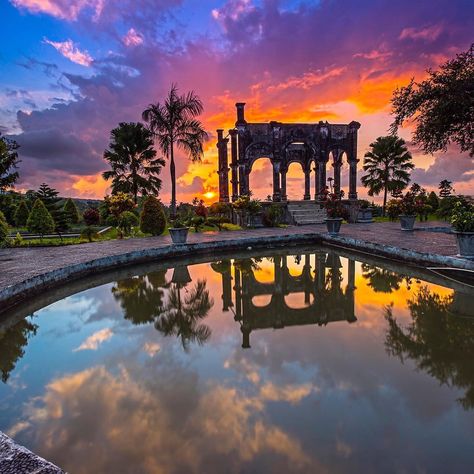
{"x": 325, "y": 298}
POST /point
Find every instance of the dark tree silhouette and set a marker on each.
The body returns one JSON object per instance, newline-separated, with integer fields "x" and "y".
{"x": 135, "y": 168}
{"x": 181, "y": 317}
{"x": 439, "y": 342}
{"x": 174, "y": 123}
{"x": 381, "y": 280}
{"x": 8, "y": 163}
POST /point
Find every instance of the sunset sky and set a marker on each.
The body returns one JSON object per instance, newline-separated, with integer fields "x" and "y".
{"x": 71, "y": 70}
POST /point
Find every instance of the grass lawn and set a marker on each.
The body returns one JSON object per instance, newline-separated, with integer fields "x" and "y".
{"x": 431, "y": 217}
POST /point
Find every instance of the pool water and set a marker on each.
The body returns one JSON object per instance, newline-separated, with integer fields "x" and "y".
{"x": 291, "y": 363}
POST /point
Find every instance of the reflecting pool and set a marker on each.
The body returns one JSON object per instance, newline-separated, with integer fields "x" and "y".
{"x": 302, "y": 361}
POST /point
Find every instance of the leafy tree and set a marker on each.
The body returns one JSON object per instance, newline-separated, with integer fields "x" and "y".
{"x": 12, "y": 343}
{"x": 8, "y": 163}
{"x": 441, "y": 107}
{"x": 152, "y": 218}
{"x": 439, "y": 342}
{"x": 433, "y": 201}
{"x": 445, "y": 188}
{"x": 181, "y": 317}
{"x": 114, "y": 205}
{"x": 3, "y": 230}
{"x": 40, "y": 220}
{"x": 8, "y": 207}
{"x": 21, "y": 214}
{"x": 141, "y": 297}
{"x": 61, "y": 222}
{"x": 174, "y": 123}
{"x": 388, "y": 166}
{"x": 135, "y": 168}
{"x": 72, "y": 213}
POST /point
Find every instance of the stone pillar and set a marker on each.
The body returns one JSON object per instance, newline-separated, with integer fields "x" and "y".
{"x": 243, "y": 185}
{"x": 223, "y": 166}
{"x": 276, "y": 181}
{"x": 322, "y": 174}
{"x": 307, "y": 191}
{"x": 316, "y": 182}
{"x": 350, "y": 299}
{"x": 284, "y": 197}
{"x": 337, "y": 174}
{"x": 353, "y": 179}
{"x": 240, "y": 106}
{"x": 238, "y": 295}
{"x": 234, "y": 166}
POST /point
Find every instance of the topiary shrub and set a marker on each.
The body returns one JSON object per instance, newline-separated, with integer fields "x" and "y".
{"x": 40, "y": 220}
{"x": 152, "y": 218}
{"x": 91, "y": 216}
{"x": 89, "y": 233}
{"x": 21, "y": 214}
{"x": 3, "y": 230}
{"x": 272, "y": 215}
{"x": 70, "y": 209}
{"x": 127, "y": 220}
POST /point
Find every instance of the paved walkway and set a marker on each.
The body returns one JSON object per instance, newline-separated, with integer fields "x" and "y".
{"x": 17, "y": 265}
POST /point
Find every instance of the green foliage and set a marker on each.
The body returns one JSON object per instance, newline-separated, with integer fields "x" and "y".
{"x": 40, "y": 220}
{"x": 72, "y": 213}
{"x": 116, "y": 204}
{"x": 91, "y": 216}
{"x": 446, "y": 206}
{"x": 61, "y": 224}
{"x": 21, "y": 214}
{"x": 245, "y": 203}
{"x": 462, "y": 218}
{"x": 445, "y": 188}
{"x": 197, "y": 222}
{"x": 272, "y": 215}
{"x": 388, "y": 166}
{"x": 152, "y": 218}
{"x": 433, "y": 201}
{"x": 3, "y": 230}
{"x": 49, "y": 196}
{"x": 393, "y": 209}
{"x": 8, "y": 163}
{"x": 89, "y": 233}
{"x": 174, "y": 123}
{"x": 334, "y": 206}
{"x": 127, "y": 221}
{"x": 441, "y": 106}
{"x": 135, "y": 168}
{"x": 8, "y": 207}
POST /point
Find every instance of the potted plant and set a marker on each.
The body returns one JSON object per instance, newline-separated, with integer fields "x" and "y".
{"x": 179, "y": 231}
{"x": 364, "y": 214}
{"x": 249, "y": 211}
{"x": 336, "y": 212}
{"x": 462, "y": 220}
{"x": 408, "y": 211}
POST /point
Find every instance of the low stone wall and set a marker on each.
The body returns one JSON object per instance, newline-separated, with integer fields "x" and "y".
{"x": 15, "y": 459}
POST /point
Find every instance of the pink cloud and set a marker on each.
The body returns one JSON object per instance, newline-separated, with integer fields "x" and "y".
{"x": 132, "y": 38}
{"x": 430, "y": 33}
{"x": 70, "y": 51}
{"x": 63, "y": 9}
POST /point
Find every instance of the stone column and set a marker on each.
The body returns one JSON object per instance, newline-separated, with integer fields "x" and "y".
{"x": 337, "y": 174}
{"x": 307, "y": 191}
{"x": 350, "y": 299}
{"x": 276, "y": 181}
{"x": 243, "y": 186}
{"x": 284, "y": 197}
{"x": 223, "y": 166}
{"x": 353, "y": 178}
{"x": 322, "y": 175}
{"x": 234, "y": 166}
{"x": 316, "y": 182}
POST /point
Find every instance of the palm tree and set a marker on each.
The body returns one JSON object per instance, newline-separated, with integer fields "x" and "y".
{"x": 388, "y": 167}
{"x": 174, "y": 122}
{"x": 135, "y": 168}
{"x": 180, "y": 317}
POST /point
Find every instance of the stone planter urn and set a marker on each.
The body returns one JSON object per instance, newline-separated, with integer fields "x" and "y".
{"x": 364, "y": 216}
{"x": 407, "y": 222}
{"x": 333, "y": 225}
{"x": 179, "y": 235}
{"x": 465, "y": 244}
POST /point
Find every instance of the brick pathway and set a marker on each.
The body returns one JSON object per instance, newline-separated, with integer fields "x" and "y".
{"x": 17, "y": 265}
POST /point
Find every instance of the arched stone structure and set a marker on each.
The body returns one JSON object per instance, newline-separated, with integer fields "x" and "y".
{"x": 311, "y": 145}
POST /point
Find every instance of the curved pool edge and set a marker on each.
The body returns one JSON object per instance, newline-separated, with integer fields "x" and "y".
{"x": 14, "y": 294}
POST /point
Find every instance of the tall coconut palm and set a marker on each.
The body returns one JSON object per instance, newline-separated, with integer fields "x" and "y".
{"x": 174, "y": 123}
{"x": 131, "y": 155}
{"x": 388, "y": 166}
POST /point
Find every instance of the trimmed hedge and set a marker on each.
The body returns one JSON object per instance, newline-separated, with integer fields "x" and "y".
{"x": 152, "y": 218}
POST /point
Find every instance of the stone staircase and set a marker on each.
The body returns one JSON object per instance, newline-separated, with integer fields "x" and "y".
{"x": 306, "y": 212}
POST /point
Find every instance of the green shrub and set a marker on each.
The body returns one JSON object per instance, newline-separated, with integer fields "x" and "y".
{"x": 127, "y": 220}
{"x": 3, "y": 230}
{"x": 89, "y": 233}
{"x": 112, "y": 221}
{"x": 72, "y": 214}
{"x": 272, "y": 215}
{"x": 462, "y": 217}
{"x": 433, "y": 201}
{"x": 197, "y": 222}
{"x": 152, "y": 218}
{"x": 21, "y": 214}
{"x": 40, "y": 220}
